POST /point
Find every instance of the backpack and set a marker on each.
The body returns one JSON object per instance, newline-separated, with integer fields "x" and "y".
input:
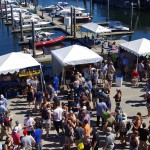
{"x": 45, "y": 114}
{"x": 128, "y": 126}
{"x": 6, "y": 121}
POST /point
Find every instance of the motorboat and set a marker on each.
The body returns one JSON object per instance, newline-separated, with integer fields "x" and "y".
{"x": 57, "y": 6}
{"x": 118, "y": 26}
{"x": 82, "y": 17}
{"x": 50, "y": 41}
{"x": 27, "y": 21}
{"x": 67, "y": 11}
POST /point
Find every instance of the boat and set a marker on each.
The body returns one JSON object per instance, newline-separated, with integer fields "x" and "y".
{"x": 51, "y": 41}
{"x": 66, "y": 11}
{"x": 57, "y": 6}
{"x": 118, "y": 26}
{"x": 27, "y": 21}
{"x": 83, "y": 17}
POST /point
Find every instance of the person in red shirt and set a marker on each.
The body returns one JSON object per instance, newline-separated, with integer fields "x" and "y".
{"x": 135, "y": 77}
{"x": 16, "y": 137}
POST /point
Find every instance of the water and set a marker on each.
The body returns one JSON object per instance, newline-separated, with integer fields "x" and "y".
{"x": 141, "y": 24}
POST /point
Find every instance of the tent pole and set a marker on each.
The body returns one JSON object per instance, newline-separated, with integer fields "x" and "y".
{"x": 41, "y": 78}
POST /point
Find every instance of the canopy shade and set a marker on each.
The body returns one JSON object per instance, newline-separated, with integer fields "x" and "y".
{"x": 94, "y": 27}
{"x": 140, "y": 47}
{"x": 75, "y": 55}
{"x": 15, "y": 61}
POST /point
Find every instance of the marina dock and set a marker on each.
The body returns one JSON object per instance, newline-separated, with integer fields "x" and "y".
{"x": 76, "y": 36}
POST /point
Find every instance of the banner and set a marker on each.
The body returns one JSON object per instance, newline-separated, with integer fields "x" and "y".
{"x": 29, "y": 73}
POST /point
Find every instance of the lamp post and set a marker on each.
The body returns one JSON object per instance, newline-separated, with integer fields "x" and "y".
{"x": 74, "y": 13}
{"x": 131, "y": 16}
{"x": 1, "y": 7}
{"x": 6, "y": 11}
{"x": 107, "y": 18}
{"x": 20, "y": 17}
{"x": 33, "y": 39}
{"x": 12, "y": 18}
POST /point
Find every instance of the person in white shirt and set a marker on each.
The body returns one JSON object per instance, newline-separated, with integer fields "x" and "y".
{"x": 57, "y": 118}
{"x": 29, "y": 124}
{"x": 141, "y": 70}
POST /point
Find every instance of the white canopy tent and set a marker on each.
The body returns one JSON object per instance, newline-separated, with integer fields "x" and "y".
{"x": 94, "y": 27}
{"x": 140, "y": 47}
{"x": 71, "y": 56}
{"x": 13, "y": 62}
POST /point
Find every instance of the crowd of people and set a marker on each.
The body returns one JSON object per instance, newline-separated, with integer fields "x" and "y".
{"x": 72, "y": 118}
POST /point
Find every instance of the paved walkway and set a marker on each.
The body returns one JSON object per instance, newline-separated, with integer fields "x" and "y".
{"x": 132, "y": 102}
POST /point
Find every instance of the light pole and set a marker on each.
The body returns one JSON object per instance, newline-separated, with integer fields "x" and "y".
{"x": 131, "y": 16}
{"x": 107, "y": 18}
{"x": 33, "y": 39}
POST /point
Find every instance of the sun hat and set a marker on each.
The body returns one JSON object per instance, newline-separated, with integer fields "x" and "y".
{"x": 109, "y": 130}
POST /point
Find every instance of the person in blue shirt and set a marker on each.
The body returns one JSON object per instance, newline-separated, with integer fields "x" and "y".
{"x": 51, "y": 92}
{"x": 4, "y": 100}
{"x": 101, "y": 107}
{"x": 56, "y": 83}
{"x": 37, "y": 135}
{"x": 38, "y": 98}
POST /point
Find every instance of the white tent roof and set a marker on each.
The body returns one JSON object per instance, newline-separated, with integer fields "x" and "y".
{"x": 15, "y": 61}
{"x": 75, "y": 55}
{"x": 140, "y": 47}
{"x": 94, "y": 27}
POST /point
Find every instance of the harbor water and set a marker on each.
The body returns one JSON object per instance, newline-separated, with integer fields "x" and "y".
{"x": 140, "y": 25}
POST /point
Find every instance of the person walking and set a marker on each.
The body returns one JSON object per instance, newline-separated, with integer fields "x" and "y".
{"x": 134, "y": 141}
{"x": 57, "y": 118}
{"x": 38, "y": 98}
{"x": 30, "y": 94}
{"x": 147, "y": 98}
{"x": 29, "y": 124}
{"x": 27, "y": 140}
{"x": 37, "y": 135}
{"x": 4, "y": 130}
{"x": 95, "y": 139}
{"x": 109, "y": 140}
{"x": 100, "y": 109}
{"x": 143, "y": 134}
{"x": 46, "y": 116}
{"x": 94, "y": 92}
{"x": 56, "y": 83}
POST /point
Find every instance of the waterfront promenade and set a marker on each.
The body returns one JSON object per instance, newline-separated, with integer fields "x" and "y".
{"x": 132, "y": 102}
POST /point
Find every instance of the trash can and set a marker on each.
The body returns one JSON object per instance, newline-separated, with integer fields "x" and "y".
{"x": 119, "y": 80}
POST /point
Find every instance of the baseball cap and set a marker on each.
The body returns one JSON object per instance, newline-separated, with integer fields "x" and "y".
{"x": 25, "y": 132}
{"x": 84, "y": 108}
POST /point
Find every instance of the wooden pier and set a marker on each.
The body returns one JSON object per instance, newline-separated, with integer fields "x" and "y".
{"x": 30, "y": 29}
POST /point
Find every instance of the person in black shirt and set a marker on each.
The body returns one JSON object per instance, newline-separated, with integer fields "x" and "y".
{"x": 95, "y": 139}
{"x": 143, "y": 133}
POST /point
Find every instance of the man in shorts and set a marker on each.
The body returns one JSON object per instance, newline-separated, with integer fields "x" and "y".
{"x": 46, "y": 115}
